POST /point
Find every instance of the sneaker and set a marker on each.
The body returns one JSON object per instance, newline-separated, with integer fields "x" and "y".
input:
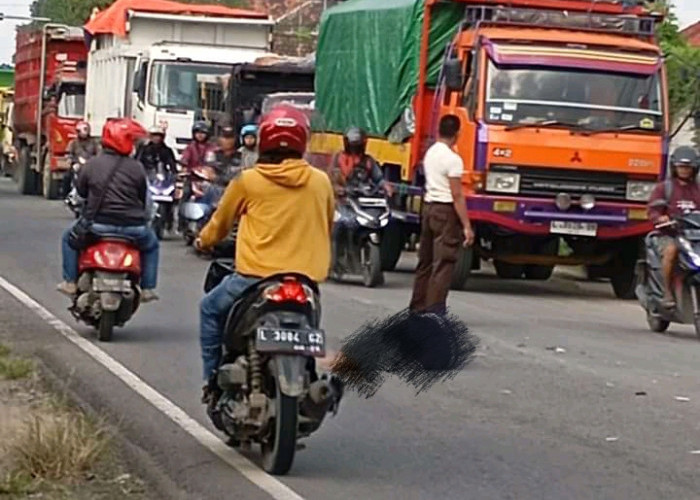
{"x": 149, "y": 296}
{"x": 67, "y": 288}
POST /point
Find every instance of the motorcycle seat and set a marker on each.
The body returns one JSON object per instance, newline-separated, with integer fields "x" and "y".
{"x": 116, "y": 237}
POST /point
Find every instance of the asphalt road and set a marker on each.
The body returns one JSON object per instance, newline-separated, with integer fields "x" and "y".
{"x": 599, "y": 420}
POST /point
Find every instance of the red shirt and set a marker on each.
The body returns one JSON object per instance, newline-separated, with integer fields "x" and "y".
{"x": 684, "y": 196}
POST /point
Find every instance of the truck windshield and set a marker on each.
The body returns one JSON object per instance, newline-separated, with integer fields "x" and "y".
{"x": 71, "y": 101}
{"x": 581, "y": 98}
{"x": 188, "y": 86}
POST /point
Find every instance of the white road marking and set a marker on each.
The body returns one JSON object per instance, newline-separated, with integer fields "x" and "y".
{"x": 254, "y": 474}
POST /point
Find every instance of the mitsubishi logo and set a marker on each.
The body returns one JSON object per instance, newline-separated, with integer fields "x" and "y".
{"x": 576, "y": 158}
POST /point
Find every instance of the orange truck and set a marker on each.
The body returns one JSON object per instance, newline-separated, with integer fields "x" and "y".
{"x": 564, "y": 113}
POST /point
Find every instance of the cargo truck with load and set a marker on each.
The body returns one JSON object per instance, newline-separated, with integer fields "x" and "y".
{"x": 564, "y": 113}
{"x": 48, "y": 103}
{"x": 167, "y": 64}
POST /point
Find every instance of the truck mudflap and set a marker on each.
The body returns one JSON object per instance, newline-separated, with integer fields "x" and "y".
{"x": 605, "y": 221}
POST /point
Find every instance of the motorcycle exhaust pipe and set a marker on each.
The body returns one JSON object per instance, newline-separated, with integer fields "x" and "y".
{"x": 318, "y": 401}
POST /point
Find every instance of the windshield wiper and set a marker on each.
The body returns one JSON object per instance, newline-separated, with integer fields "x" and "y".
{"x": 543, "y": 123}
{"x": 624, "y": 128}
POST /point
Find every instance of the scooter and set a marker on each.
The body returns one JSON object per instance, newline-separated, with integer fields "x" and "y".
{"x": 267, "y": 389}
{"x": 109, "y": 272}
{"x": 194, "y": 210}
{"x": 359, "y": 250}
{"x": 686, "y": 281}
{"x": 73, "y": 200}
{"x": 162, "y": 189}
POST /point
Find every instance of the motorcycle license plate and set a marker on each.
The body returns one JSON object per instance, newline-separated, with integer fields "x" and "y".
{"x": 573, "y": 228}
{"x": 288, "y": 341}
{"x": 157, "y": 197}
{"x": 111, "y": 285}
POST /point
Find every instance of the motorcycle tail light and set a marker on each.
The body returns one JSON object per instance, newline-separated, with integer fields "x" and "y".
{"x": 110, "y": 256}
{"x": 288, "y": 291}
{"x": 128, "y": 260}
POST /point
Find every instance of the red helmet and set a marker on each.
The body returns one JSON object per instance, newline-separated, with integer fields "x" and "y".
{"x": 284, "y": 128}
{"x": 120, "y": 134}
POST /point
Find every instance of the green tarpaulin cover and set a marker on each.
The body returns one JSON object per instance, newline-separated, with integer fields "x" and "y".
{"x": 367, "y": 60}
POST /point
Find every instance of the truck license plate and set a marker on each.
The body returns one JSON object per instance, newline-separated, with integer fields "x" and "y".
{"x": 288, "y": 341}
{"x": 573, "y": 228}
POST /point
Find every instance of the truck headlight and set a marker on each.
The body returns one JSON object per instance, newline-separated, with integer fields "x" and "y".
{"x": 639, "y": 190}
{"x": 503, "y": 182}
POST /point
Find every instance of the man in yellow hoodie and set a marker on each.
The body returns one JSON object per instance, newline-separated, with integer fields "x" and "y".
{"x": 285, "y": 208}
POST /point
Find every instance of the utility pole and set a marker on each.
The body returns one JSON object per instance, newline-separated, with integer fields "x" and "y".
{"x": 4, "y": 17}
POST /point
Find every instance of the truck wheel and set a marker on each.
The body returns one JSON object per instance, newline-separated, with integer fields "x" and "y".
{"x": 624, "y": 277}
{"x": 541, "y": 273}
{"x": 507, "y": 271}
{"x": 27, "y": 178}
{"x": 391, "y": 246}
{"x": 50, "y": 187}
{"x": 463, "y": 268}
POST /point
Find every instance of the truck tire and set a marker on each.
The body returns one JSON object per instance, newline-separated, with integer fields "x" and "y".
{"x": 50, "y": 188}
{"x": 392, "y": 246}
{"x": 507, "y": 271}
{"x": 463, "y": 268}
{"x": 27, "y": 178}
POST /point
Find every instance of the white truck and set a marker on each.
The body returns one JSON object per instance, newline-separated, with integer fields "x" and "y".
{"x": 170, "y": 69}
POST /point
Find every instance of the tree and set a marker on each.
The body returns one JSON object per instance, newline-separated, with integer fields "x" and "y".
{"x": 77, "y": 12}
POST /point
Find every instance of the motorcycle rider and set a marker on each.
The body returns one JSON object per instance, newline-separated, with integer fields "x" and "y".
{"x": 285, "y": 208}
{"x": 195, "y": 154}
{"x": 123, "y": 205}
{"x": 83, "y": 146}
{"x": 249, "y": 149}
{"x": 668, "y": 200}
{"x": 155, "y": 151}
{"x": 352, "y": 168}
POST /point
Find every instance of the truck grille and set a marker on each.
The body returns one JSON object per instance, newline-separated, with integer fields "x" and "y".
{"x": 541, "y": 182}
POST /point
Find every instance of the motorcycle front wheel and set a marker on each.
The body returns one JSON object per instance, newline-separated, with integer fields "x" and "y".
{"x": 278, "y": 451}
{"x": 106, "y": 325}
{"x": 372, "y": 274}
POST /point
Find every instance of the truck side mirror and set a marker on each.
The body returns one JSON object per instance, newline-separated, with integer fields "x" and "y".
{"x": 454, "y": 76}
{"x": 140, "y": 81}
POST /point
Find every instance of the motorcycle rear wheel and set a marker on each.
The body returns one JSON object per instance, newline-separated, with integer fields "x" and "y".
{"x": 106, "y": 325}
{"x": 660, "y": 325}
{"x": 278, "y": 452}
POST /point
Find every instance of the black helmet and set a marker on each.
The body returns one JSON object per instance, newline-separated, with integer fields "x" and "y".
{"x": 355, "y": 141}
{"x": 685, "y": 155}
{"x": 200, "y": 126}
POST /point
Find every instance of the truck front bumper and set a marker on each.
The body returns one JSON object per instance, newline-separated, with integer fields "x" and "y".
{"x": 533, "y": 216}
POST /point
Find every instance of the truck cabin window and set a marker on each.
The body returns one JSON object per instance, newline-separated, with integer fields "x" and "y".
{"x": 573, "y": 97}
{"x": 187, "y": 86}
{"x": 71, "y": 101}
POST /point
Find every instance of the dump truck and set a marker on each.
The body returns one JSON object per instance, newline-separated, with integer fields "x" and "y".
{"x": 167, "y": 64}
{"x": 564, "y": 113}
{"x": 48, "y": 103}
{"x": 7, "y": 152}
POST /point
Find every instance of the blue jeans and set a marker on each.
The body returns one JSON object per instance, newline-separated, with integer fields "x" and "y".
{"x": 214, "y": 311}
{"x": 145, "y": 239}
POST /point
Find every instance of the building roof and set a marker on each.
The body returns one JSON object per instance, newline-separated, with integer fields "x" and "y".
{"x": 692, "y": 34}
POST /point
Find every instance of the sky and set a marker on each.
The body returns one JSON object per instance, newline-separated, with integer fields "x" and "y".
{"x": 688, "y": 12}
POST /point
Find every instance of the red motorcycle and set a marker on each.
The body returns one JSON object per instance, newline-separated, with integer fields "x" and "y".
{"x": 108, "y": 295}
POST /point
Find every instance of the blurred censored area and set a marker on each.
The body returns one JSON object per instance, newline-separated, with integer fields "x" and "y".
{"x": 420, "y": 349}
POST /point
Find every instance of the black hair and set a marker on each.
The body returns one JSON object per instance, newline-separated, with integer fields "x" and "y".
{"x": 449, "y": 127}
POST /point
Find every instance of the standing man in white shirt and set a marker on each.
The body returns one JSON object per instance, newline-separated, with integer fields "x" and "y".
{"x": 445, "y": 224}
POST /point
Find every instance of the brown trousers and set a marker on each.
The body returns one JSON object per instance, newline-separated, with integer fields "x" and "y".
{"x": 440, "y": 237}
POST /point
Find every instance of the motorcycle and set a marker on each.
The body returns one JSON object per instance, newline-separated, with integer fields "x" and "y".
{"x": 686, "y": 280}
{"x": 109, "y": 272}
{"x": 267, "y": 386}
{"x": 194, "y": 210}
{"x": 358, "y": 251}
{"x": 162, "y": 189}
{"x": 73, "y": 200}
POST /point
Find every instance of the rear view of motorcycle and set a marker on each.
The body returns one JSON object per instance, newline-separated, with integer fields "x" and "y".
{"x": 162, "y": 191}
{"x": 73, "y": 200}
{"x": 268, "y": 390}
{"x": 357, "y": 249}
{"x": 686, "y": 280}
